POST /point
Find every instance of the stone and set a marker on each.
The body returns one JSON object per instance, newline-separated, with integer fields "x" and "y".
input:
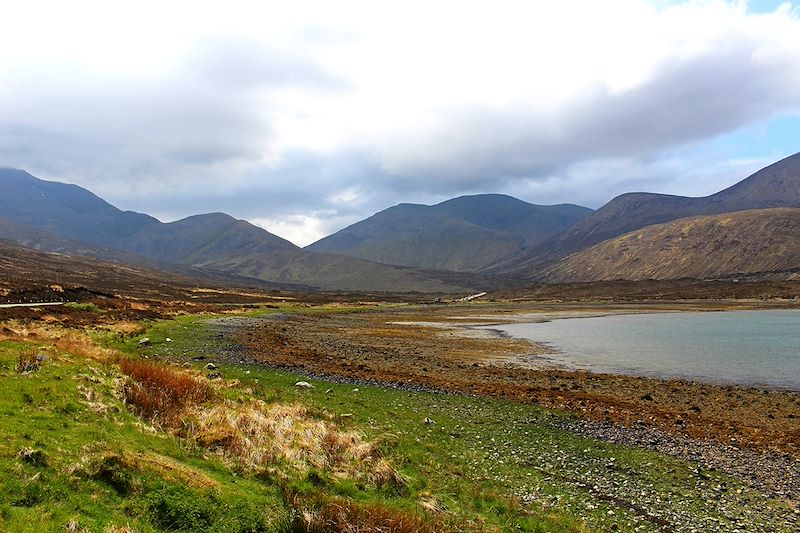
{"x": 211, "y": 366}
{"x": 304, "y": 385}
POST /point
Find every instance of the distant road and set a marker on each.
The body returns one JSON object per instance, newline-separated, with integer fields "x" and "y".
{"x": 3, "y": 306}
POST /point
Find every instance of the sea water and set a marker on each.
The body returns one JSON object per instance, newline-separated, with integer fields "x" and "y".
{"x": 745, "y": 347}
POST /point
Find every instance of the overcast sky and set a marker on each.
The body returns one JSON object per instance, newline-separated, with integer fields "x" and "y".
{"x": 304, "y": 117}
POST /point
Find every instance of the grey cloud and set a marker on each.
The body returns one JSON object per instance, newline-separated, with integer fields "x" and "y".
{"x": 209, "y": 117}
{"x": 686, "y": 100}
{"x": 303, "y": 182}
{"x": 195, "y": 141}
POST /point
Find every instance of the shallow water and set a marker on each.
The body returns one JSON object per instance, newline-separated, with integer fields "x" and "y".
{"x": 747, "y": 347}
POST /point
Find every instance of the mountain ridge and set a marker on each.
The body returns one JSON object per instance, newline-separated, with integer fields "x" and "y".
{"x": 215, "y": 241}
{"x": 777, "y": 185}
{"x": 486, "y": 227}
{"x": 720, "y": 246}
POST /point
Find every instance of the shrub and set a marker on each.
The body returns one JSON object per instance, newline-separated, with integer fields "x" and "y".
{"x": 159, "y": 392}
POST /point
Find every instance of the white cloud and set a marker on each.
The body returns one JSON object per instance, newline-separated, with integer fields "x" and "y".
{"x": 301, "y": 230}
{"x": 308, "y": 114}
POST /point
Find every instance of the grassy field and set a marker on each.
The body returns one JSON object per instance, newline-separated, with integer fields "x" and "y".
{"x": 103, "y": 433}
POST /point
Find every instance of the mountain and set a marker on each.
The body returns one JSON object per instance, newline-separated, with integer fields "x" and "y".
{"x": 760, "y": 242}
{"x": 777, "y": 185}
{"x": 462, "y": 234}
{"x": 54, "y": 216}
{"x": 67, "y": 210}
{"x": 22, "y": 268}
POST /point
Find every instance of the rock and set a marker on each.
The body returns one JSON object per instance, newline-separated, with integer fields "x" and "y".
{"x": 199, "y": 357}
{"x": 647, "y": 397}
{"x": 41, "y": 357}
{"x": 329, "y": 391}
{"x": 211, "y": 366}
{"x": 167, "y": 340}
{"x": 144, "y": 342}
{"x": 428, "y": 421}
{"x": 355, "y": 390}
{"x": 33, "y": 457}
{"x": 304, "y": 385}
{"x": 214, "y": 375}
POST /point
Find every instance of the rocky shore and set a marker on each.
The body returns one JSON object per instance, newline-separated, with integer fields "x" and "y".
{"x": 749, "y": 433}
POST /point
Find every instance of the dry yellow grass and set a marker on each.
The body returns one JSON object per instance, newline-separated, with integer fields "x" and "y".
{"x": 75, "y": 342}
{"x": 260, "y": 437}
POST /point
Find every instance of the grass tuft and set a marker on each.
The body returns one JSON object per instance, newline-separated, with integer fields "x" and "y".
{"x": 260, "y": 437}
{"x": 339, "y": 515}
{"x": 160, "y": 393}
{"x": 33, "y": 457}
{"x": 28, "y": 361}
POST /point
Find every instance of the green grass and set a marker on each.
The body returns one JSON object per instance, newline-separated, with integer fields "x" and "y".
{"x": 44, "y": 415}
{"x": 90, "y": 307}
{"x": 481, "y": 463}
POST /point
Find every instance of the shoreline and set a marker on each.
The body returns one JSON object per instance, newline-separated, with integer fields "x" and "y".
{"x": 373, "y": 346}
{"x": 664, "y": 416}
{"x": 548, "y": 356}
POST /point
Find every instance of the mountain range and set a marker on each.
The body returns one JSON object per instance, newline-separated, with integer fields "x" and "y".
{"x": 777, "y": 185}
{"x": 53, "y": 216}
{"x": 468, "y": 243}
{"x": 463, "y": 234}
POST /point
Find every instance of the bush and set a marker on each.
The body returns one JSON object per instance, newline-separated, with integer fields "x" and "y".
{"x": 159, "y": 392}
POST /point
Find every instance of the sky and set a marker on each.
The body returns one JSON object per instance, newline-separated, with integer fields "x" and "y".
{"x": 304, "y": 117}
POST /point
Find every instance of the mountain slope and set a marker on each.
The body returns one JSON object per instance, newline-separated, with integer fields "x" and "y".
{"x": 761, "y": 241}
{"x": 65, "y": 209}
{"x": 462, "y": 234}
{"x": 53, "y": 216}
{"x": 777, "y": 185}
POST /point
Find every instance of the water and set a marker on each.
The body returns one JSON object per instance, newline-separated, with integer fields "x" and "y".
{"x": 747, "y": 347}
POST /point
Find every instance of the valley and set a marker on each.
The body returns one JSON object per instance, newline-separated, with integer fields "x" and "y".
{"x": 206, "y": 375}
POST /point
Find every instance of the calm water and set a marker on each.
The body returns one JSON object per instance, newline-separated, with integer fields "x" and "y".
{"x": 749, "y": 347}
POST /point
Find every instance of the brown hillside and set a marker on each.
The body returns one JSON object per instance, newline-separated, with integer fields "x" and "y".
{"x": 763, "y": 241}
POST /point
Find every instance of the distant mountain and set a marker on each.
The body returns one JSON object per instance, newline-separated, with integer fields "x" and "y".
{"x": 777, "y": 185}
{"x": 55, "y": 216}
{"x": 67, "y": 210}
{"x": 462, "y": 234}
{"x": 761, "y": 242}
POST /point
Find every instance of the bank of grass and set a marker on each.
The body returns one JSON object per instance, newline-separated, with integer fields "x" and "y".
{"x": 74, "y": 458}
{"x": 81, "y": 447}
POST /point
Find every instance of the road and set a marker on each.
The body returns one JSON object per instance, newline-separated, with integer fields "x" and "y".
{"x": 4, "y": 306}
